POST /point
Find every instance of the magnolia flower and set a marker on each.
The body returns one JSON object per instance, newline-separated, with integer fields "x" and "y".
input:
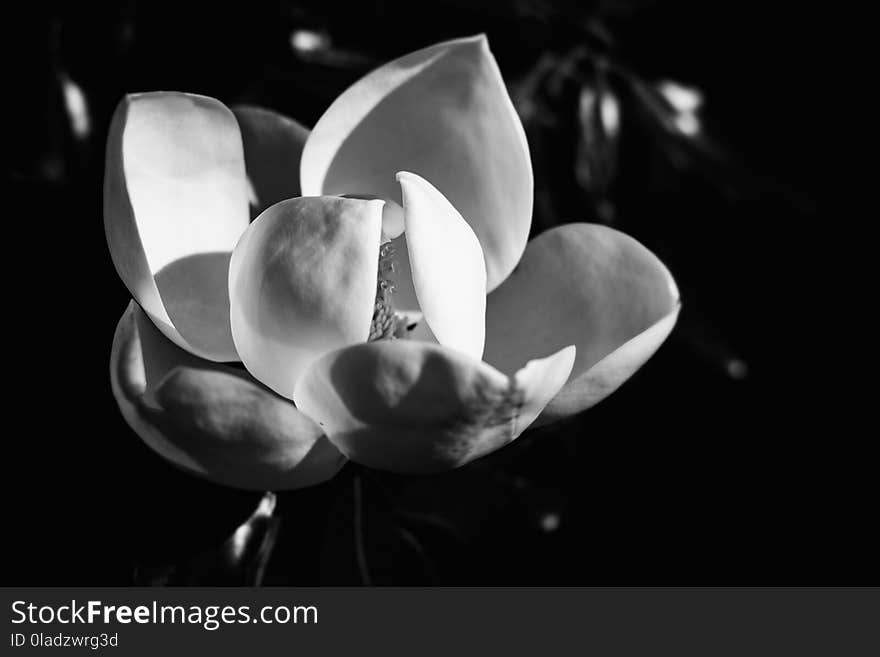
{"x": 385, "y": 303}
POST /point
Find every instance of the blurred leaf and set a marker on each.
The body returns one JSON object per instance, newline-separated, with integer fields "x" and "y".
{"x": 240, "y": 560}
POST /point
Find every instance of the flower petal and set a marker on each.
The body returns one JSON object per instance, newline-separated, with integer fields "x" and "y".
{"x": 212, "y": 420}
{"x": 302, "y": 281}
{"x": 175, "y": 202}
{"x": 589, "y": 388}
{"x": 447, "y": 267}
{"x": 443, "y": 113}
{"x": 273, "y": 146}
{"x": 414, "y": 407}
{"x": 587, "y": 285}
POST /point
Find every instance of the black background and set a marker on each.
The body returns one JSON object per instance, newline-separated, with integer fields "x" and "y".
{"x": 687, "y": 475}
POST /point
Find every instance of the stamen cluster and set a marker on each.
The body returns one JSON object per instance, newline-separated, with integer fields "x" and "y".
{"x": 386, "y": 324}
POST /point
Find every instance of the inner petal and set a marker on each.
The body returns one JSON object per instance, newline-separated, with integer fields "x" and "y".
{"x": 302, "y": 282}
{"x": 446, "y": 264}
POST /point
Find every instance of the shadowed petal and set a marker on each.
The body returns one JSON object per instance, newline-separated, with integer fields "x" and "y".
{"x": 443, "y": 113}
{"x": 212, "y": 420}
{"x": 414, "y": 407}
{"x": 273, "y": 145}
{"x": 587, "y": 285}
{"x": 447, "y": 267}
{"x": 302, "y": 282}
{"x": 175, "y": 202}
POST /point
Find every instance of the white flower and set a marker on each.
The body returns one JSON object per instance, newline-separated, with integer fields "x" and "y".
{"x": 424, "y": 164}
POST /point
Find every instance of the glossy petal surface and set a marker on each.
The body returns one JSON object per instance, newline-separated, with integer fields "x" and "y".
{"x": 443, "y": 113}
{"x": 175, "y": 202}
{"x": 302, "y": 282}
{"x": 447, "y": 267}
{"x": 587, "y": 285}
{"x": 414, "y": 407}
{"x": 212, "y": 420}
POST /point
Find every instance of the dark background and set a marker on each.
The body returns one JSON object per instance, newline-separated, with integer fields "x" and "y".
{"x": 723, "y": 461}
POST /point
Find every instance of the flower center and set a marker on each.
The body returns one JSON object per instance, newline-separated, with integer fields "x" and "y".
{"x": 386, "y": 324}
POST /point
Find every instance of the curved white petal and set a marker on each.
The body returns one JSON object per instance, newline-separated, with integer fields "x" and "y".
{"x": 586, "y": 389}
{"x": 540, "y": 381}
{"x": 414, "y": 407}
{"x": 587, "y": 285}
{"x": 273, "y": 146}
{"x": 175, "y": 202}
{"x": 447, "y": 267}
{"x": 302, "y": 281}
{"x": 211, "y": 420}
{"x": 443, "y": 113}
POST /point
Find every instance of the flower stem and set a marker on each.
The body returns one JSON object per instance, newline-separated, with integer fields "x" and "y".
{"x": 359, "y": 547}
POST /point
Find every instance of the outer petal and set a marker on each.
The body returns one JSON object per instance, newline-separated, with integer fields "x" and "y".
{"x": 175, "y": 202}
{"x": 273, "y": 146}
{"x": 592, "y": 386}
{"x": 447, "y": 267}
{"x": 302, "y": 281}
{"x": 443, "y": 113}
{"x": 213, "y": 420}
{"x": 415, "y": 407}
{"x": 587, "y": 285}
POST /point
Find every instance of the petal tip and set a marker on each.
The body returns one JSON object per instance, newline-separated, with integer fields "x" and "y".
{"x": 479, "y": 39}
{"x": 674, "y": 292}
